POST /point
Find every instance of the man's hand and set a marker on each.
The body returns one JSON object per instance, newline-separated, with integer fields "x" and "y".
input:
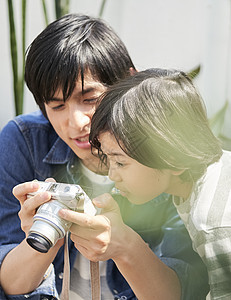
{"x": 29, "y": 206}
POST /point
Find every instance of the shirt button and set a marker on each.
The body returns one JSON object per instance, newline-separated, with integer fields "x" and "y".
{"x": 123, "y": 298}
{"x": 61, "y": 275}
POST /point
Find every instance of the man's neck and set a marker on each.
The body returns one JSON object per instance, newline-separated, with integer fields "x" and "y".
{"x": 95, "y": 165}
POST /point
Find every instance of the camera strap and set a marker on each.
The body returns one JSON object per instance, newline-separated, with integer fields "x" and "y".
{"x": 95, "y": 280}
{"x": 95, "y": 276}
{"x": 66, "y": 272}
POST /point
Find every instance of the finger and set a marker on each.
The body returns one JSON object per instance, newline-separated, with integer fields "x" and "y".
{"x": 20, "y": 191}
{"x": 84, "y": 232}
{"x": 77, "y": 238}
{"x": 106, "y": 202}
{"x": 50, "y": 179}
{"x": 90, "y": 252}
{"x": 83, "y": 250}
{"x": 75, "y": 217}
{"x": 34, "y": 202}
{"x": 84, "y": 220}
{"x": 98, "y": 239}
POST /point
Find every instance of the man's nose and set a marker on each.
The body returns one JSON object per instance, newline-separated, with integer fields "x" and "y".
{"x": 79, "y": 119}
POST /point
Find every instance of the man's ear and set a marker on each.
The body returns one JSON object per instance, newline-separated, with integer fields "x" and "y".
{"x": 132, "y": 71}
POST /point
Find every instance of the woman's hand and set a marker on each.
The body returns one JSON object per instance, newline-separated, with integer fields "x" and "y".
{"x": 105, "y": 236}
{"x": 98, "y": 237}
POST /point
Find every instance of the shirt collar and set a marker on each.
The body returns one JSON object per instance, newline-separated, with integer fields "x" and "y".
{"x": 60, "y": 153}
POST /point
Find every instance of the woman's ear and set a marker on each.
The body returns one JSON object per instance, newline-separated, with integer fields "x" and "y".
{"x": 177, "y": 172}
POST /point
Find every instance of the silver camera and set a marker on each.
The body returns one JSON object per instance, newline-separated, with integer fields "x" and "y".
{"x": 47, "y": 226}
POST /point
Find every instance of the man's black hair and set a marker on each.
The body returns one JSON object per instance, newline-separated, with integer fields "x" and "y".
{"x": 66, "y": 49}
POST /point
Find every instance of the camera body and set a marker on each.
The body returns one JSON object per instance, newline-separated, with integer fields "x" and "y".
{"x": 47, "y": 226}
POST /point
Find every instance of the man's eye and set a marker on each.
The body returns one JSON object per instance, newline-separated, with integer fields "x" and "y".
{"x": 90, "y": 100}
{"x": 58, "y": 107}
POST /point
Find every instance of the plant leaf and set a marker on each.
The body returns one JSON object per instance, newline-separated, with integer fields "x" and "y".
{"x": 194, "y": 73}
{"x": 102, "y": 6}
{"x": 217, "y": 121}
{"x": 14, "y": 54}
{"x": 45, "y": 12}
{"x": 225, "y": 142}
{"x": 61, "y": 8}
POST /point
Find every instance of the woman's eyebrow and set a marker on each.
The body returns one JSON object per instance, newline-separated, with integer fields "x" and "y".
{"x": 114, "y": 153}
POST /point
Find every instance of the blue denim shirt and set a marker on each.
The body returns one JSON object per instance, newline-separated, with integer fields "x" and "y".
{"x": 29, "y": 149}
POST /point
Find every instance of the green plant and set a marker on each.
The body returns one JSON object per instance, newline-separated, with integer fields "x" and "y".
{"x": 195, "y": 72}
{"x": 18, "y": 55}
{"x": 217, "y": 123}
{"x": 62, "y": 7}
{"x": 17, "y": 68}
{"x": 102, "y": 6}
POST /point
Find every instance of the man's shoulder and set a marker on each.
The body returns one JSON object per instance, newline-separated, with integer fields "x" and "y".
{"x": 33, "y": 127}
{"x": 32, "y": 120}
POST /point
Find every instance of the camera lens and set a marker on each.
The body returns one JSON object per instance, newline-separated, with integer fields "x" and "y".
{"x": 38, "y": 242}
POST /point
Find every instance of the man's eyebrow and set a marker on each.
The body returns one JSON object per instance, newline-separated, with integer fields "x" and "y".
{"x": 55, "y": 99}
{"x": 87, "y": 90}
{"x": 79, "y": 93}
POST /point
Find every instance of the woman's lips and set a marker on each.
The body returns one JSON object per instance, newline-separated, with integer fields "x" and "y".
{"x": 119, "y": 191}
{"x": 123, "y": 193}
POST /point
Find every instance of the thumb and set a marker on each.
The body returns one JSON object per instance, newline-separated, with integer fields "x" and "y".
{"x": 106, "y": 202}
{"x": 50, "y": 180}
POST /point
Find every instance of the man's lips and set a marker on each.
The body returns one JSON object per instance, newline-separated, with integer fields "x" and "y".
{"x": 82, "y": 142}
{"x": 83, "y": 139}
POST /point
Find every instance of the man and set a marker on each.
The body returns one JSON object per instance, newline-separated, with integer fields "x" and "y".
{"x": 68, "y": 66}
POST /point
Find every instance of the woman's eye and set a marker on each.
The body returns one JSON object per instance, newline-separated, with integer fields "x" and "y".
{"x": 119, "y": 164}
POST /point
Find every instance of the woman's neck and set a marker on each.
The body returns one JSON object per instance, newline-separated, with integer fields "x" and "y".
{"x": 180, "y": 188}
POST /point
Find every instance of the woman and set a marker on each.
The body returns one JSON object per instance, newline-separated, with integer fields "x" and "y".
{"x": 155, "y": 137}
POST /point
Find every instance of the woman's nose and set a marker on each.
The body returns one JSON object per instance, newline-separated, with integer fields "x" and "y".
{"x": 113, "y": 174}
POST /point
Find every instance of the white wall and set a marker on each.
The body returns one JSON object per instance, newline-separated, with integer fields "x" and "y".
{"x": 158, "y": 33}
{"x": 216, "y": 58}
